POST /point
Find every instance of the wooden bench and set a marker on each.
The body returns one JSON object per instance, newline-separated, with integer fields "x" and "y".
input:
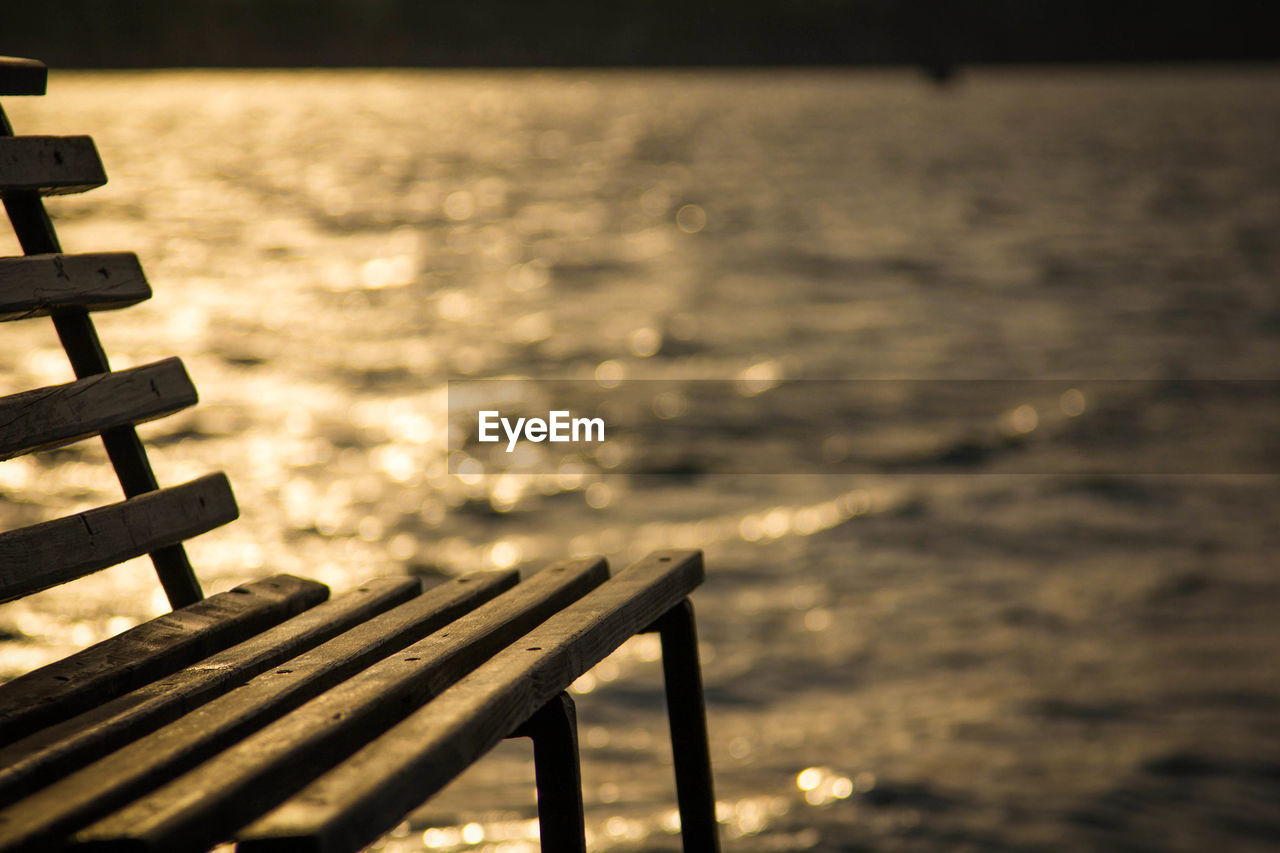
{"x": 271, "y": 714}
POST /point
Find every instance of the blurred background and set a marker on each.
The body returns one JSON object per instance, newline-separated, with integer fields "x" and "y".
{"x": 982, "y": 657}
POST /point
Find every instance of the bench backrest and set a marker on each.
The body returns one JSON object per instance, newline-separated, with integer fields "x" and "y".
{"x": 66, "y": 288}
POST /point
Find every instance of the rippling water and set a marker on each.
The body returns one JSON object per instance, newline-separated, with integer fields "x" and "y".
{"x": 980, "y": 660}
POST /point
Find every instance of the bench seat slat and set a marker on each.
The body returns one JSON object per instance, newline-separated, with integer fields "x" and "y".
{"x": 37, "y": 822}
{"x": 200, "y": 808}
{"x": 353, "y": 804}
{"x": 36, "y": 285}
{"x": 61, "y": 414}
{"x": 22, "y": 76}
{"x": 149, "y": 651}
{"x": 49, "y": 165}
{"x": 53, "y": 552}
{"x": 57, "y": 750}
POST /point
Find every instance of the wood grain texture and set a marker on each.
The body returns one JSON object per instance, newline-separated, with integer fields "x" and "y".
{"x": 61, "y": 414}
{"x": 152, "y": 650}
{"x": 375, "y": 788}
{"x": 202, "y": 807}
{"x": 39, "y": 821}
{"x": 55, "y": 751}
{"x": 22, "y": 76}
{"x": 37, "y": 285}
{"x": 49, "y": 165}
{"x": 44, "y": 555}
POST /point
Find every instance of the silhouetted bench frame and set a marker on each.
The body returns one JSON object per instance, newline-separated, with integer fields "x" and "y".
{"x": 268, "y": 713}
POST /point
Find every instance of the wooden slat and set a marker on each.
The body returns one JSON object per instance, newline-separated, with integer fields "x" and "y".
{"x": 149, "y": 651}
{"x": 60, "y": 414}
{"x": 37, "y": 285}
{"x": 44, "y": 555}
{"x": 49, "y": 165}
{"x": 36, "y": 823}
{"x": 22, "y": 76}
{"x": 57, "y": 750}
{"x": 376, "y": 787}
{"x": 201, "y": 808}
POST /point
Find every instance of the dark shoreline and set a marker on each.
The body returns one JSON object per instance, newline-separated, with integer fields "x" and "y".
{"x": 661, "y": 33}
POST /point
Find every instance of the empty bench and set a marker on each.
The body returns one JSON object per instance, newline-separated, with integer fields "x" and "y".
{"x": 271, "y": 714}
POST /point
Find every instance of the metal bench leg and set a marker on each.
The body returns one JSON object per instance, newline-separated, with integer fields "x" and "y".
{"x": 554, "y": 731}
{"x": 688, "y": 717}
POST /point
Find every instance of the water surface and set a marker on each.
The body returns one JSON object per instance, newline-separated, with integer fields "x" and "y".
{"x": 982, "y": 660}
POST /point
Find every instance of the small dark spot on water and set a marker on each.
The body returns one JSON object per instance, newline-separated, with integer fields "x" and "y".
{"x": 588, "y": 274}
{"x": 1180, "y": 764}
{"x": 177, "y": 436}
{"x": 378, "y": 379}
{"x": 1096, "y": 712}
{"x": 677, "y": 466}
{"x": 242, "y": 360}
{"x": 1180, "y": 586}
{"x": 912, "y": 508}
{"x": 1239, "y": 699}
{"x": 964, "y": 453}
{"x": 1259, "y": 829}
{"x": 1056, "y": 271}
{"x": 1024, "y": 616}
{"x": 479, "y": 508}
{"x": 917, "y": 795}
{"x": 960, "y": 659}
{"x": 1117, "y": 489}
{"x": 1096, "y": 818}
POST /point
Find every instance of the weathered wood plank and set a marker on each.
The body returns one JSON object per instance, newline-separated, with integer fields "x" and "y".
{"x": 22, "y": 76}
{"x": 149, "y": 651}
{"x": 37, "y": 822}
{"x": 37, "y": 285}
{"x": 60, "y": 414}
{"x": 372, "y": 790}
{"x": 55, "y": 751}
{"x": 202, "y": 807}
{"x": 44, "y": 555}
{"x": 49, "y": 165}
